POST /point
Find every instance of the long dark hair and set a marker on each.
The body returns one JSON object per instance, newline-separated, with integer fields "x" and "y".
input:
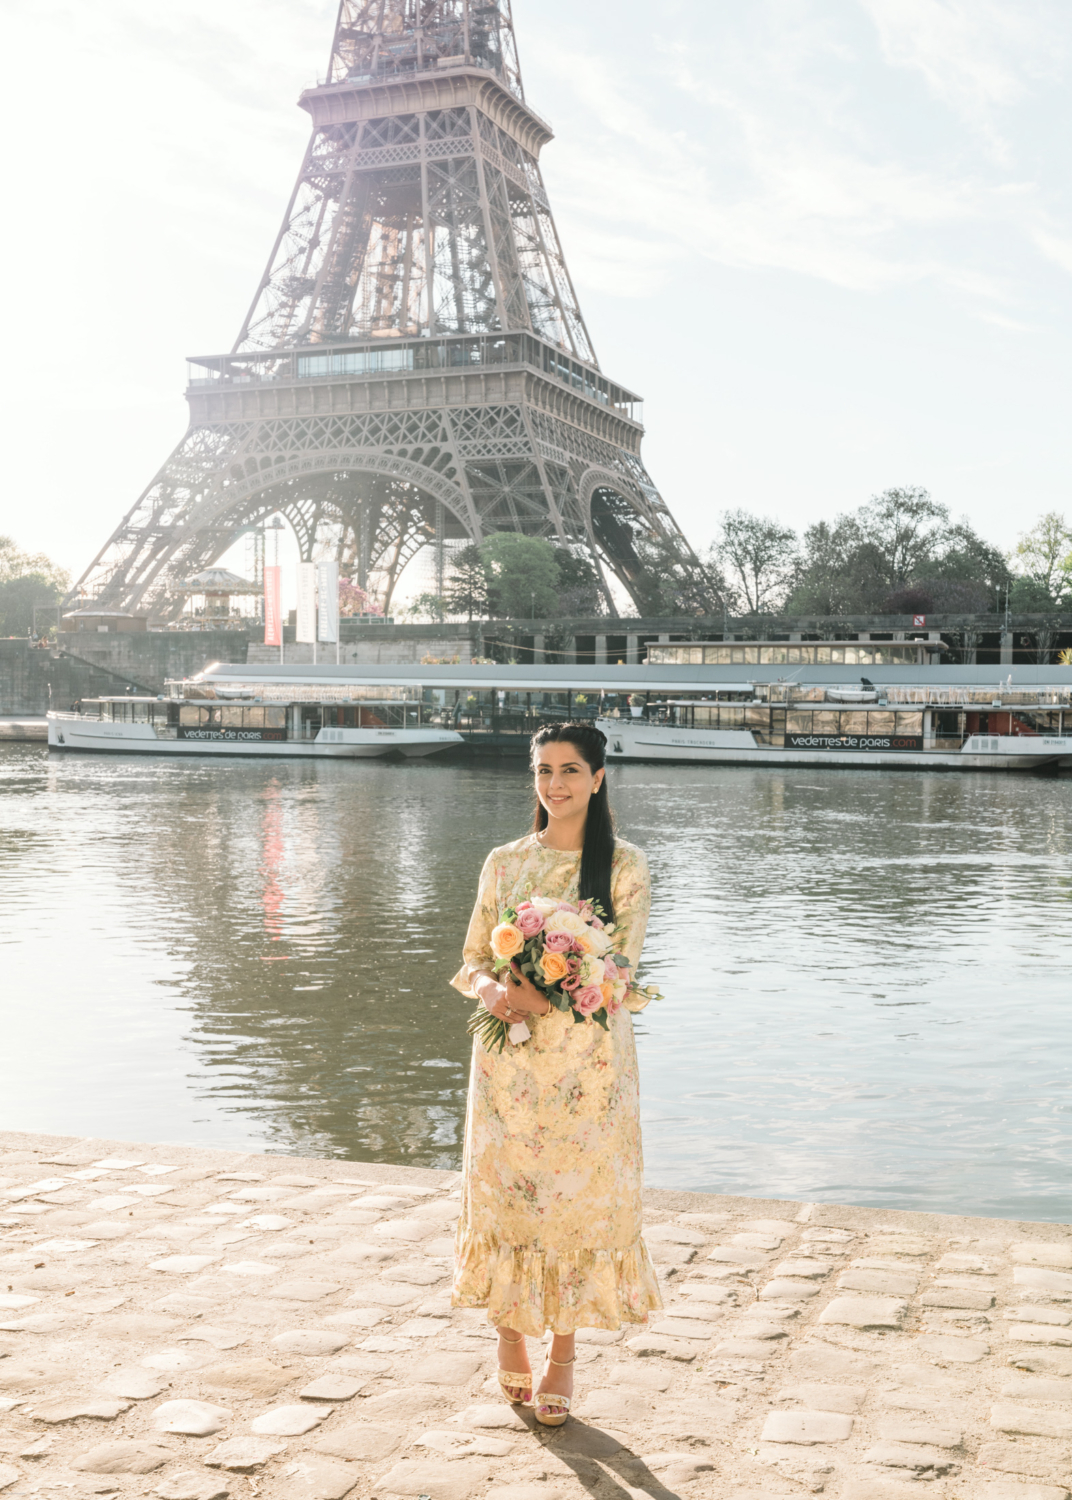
{"x": 597, "y": 853}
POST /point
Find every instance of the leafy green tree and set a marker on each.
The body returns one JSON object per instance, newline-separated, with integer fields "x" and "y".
{"x": 908, "y": 529}
{"x": 26, "y": 579}
{"x": 760, "y": 557}
{"x": 428, "y": 607}
{"x": 523, "y": 573}
{"x": 579, "y": 591}
{"x": 467, "y": 590}
{"x": 1043, "y": 555}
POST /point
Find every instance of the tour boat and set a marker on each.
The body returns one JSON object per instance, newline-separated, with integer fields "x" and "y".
{"x": 320, "y": 723}
{"x": 905, "y": 716}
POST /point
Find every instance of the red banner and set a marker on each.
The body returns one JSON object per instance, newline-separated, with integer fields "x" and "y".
{"x": 273, "y": 606}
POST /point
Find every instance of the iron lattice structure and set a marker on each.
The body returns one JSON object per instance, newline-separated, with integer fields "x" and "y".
{"x": 414, "y": 369}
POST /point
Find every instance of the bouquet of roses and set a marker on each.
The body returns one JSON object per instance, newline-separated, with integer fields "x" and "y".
{"x": 568, "y": 952}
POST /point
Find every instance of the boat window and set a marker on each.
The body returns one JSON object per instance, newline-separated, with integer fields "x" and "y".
{"x": 853, "y": 723}
{"x": 880, "y": 723}
{"x": 232, "y": 718}
{"x": 189, "y": 715}
{"x": 773, "y": 655}
{"x": 797, "y": 723}
{"x": 909, "y": 723}
{"x": 825, "y": 723}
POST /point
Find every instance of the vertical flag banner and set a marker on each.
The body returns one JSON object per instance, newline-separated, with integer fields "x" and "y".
{"x": 273, "y": 605}
{"x": 306, "y": 631}
{"x": 327, "y": 580}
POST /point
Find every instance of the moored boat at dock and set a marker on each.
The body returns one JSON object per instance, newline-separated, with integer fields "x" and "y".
{"x": 904, "y": 715}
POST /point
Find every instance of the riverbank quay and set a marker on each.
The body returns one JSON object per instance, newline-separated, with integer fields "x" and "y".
{"x": 25, "y": 727}
{"x": 194, "y": 1324}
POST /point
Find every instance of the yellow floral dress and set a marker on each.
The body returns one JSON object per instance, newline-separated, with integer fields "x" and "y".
{"x": 549, "y": 1233}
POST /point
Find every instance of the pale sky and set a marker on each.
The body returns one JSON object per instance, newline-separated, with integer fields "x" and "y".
{"x": 829, "y": 241}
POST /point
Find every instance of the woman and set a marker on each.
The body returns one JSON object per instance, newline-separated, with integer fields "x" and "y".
{"x": 549, "y": 1234}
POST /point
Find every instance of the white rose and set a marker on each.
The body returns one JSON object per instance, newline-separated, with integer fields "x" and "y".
{"x": 592, "y": 970}
{"x": 567, "y": 921}
{"x": 543, "y": 905}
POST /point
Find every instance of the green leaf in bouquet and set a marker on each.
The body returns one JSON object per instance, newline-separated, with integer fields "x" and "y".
{"x": 600, "y": 1017}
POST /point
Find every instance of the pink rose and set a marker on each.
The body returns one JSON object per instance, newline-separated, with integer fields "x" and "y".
{"x": 588, "y": 999}
{"x": 610, "y": 972}
{"x": 558, "y": 942}
{"x": 613, "y": 1005}
{"x": 597, "y": 922}
{"x": 529, "y": 921}
{"x": 566, "y": 906}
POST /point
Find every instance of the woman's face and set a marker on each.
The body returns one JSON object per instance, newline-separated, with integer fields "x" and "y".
{"x": 565, "y": 781}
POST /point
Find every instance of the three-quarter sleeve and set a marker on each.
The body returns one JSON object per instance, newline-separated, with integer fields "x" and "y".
{"x": 476, "y": 953}
{"x": 632, "y": 903}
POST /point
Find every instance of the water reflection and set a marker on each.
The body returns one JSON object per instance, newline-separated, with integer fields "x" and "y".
{"x": 866, "y": 973}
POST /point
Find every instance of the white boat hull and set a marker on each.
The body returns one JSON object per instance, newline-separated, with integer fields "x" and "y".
{"x": 72, "y": 732}
{"x": 632, "y": 739}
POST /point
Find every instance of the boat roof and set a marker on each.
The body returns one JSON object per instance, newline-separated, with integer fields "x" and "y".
{"x": 637, "y": 679}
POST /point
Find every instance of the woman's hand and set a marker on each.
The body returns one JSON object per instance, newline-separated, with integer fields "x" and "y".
{"x": 512, "y": 1001}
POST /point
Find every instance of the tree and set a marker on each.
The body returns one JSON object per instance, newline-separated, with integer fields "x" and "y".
{"x": 760, "y": 556}
{"x": 467, "y": 588}
{"x": 428, "y": 607}
{"x": 523, "y": 573}
{"x": 839, "y": 571}
{"x": 1044, "y": 556}
{"x": 579, "y": 591}
{"x": 907, "y": 527}
{"x": 26, "y": 580}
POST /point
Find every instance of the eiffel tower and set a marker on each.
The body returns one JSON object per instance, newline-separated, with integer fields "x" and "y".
{"x": 414, "y": 369}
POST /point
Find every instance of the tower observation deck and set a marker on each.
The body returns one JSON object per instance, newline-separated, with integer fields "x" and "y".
{"x": 414, "y": 369}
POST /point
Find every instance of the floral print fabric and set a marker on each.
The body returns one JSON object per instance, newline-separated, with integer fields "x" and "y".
{"x": 549, "y": 1233}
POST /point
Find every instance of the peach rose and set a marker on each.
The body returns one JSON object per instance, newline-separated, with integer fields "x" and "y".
{"x": 554, "y": 967}
{"x": 506, "y": 940}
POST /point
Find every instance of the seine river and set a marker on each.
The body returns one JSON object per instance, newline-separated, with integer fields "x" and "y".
{"x": 868, "y": 975}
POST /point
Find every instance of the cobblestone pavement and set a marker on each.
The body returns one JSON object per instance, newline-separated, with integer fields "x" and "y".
{"x": 190, "y": 1324}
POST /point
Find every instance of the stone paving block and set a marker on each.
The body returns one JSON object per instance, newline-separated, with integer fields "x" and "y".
{"x": 423, "y": 1275}
{"x": 1042, "y": 1253}
{"x": 737, "y": 1255}
{"x": 135, "y": 1385}
{"x": 806, "y": 1427}
{"x": 310, "y": 1341}
{"x": 359, "y": 1254}
{"x": 865, "y": 1312}
{"x": 926, "y": 1433}
{"x": 638, "y": 1375}
{"x": 1032, "y": 1388}
{"x": 673, "y": 1234}
{"x": 303, "y": 1290}
{"x": 257, "y": 1377}
{"x": 1035, "y": 1361}
{"x": 751, "y": 1349}
{"x": 130, "y": 1456}
{"x": 1040, "y": 1279}
{"x": 363, "y": 1441}
{"x": 168, "y": 1361}
{"x": 319, "y": 1479}
{"x": 611, "y": 1405}
{"x": 195, "y": 1418}
{"x": 1001, "y": 1489}
{"x": 447, "y": 1369}
{"x": 221, "y": 1339}
{"x": 1030, "y": 1421}
{"x": 333, "y": 1387}
{"x": 289, "y": 1421}
{"x": 581, "y": 1441}
{"x": 464, "y": 1444}
{"x": 192, "y": 1484}
{"x": 958, "y": 1297}
{"x": 499, "y": 1415}
{"x": 438, "y": 1480}
{"x": 922, "y": 1463}
{"x": 183, "y": 1265}
{"x": 808, "y": 1267}
{"x": 842, "y": 1398}
{"x": 855, "y": 1280}
{"x": 648, "y": 1345}
{"x": 782, "y": 1290}
{"x": 9, "y": 1475}
{"x": 28, "y": 1375}
{"x": 1036, "y": 1460}
{"x": 102, "y": 1408}
{"x": 1040, "y": 1333}
{"x": 1055, "y": 1315}
{"x": 400, "y": 1405}
{"x": 955, "y": 1350}
{"x": 524, "y": 1492}
{"x": 878, "y": 1489}
{"x": 385, "y": 1292}
{"x": 244, "y": 1454}
{"x": 684, "y": 1328}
